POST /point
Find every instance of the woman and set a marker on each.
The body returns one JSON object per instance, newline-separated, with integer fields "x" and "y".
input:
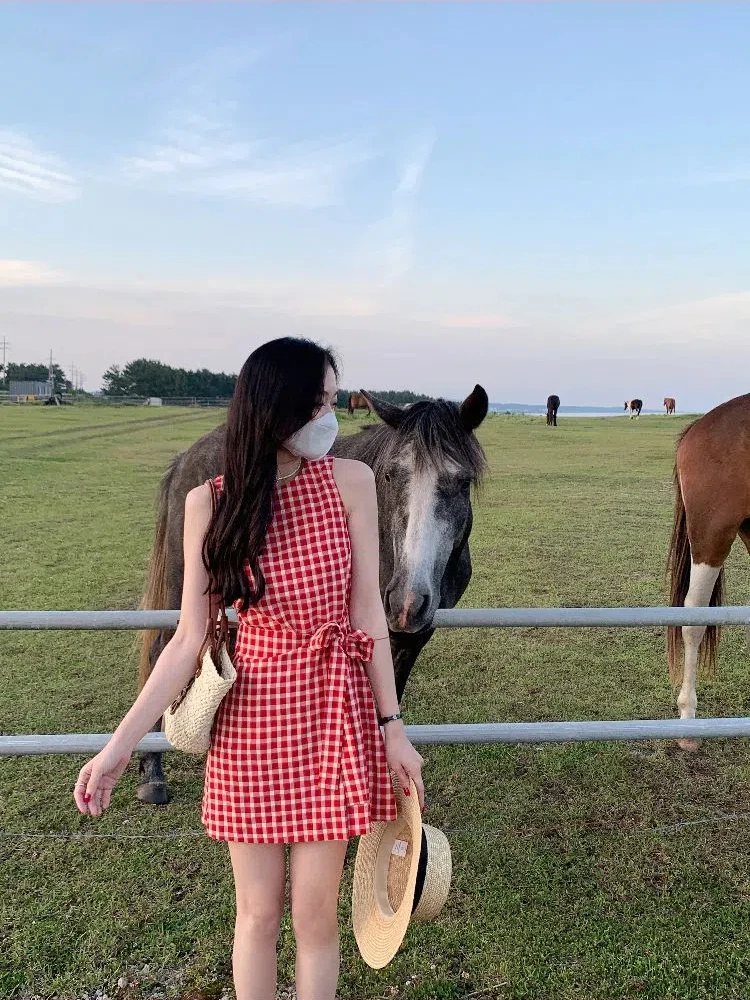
{"x": 297, "y": 754}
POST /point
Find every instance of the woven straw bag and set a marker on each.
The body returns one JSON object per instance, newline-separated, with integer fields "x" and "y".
{"x": 189, "y": 720}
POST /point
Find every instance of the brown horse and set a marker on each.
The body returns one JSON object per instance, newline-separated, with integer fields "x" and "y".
{"x": 358, "y": 401}
{"x": 669, "y": 404}
{"x": 712, "y": 507}
{"x": 553, "y": 405}
{"x": 634, "y": 406}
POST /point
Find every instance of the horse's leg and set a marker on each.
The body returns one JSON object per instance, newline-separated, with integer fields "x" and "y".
{"x": 405, "y": 648}
{"x": 702, "y": 580}
{"x": 152, "y": 785}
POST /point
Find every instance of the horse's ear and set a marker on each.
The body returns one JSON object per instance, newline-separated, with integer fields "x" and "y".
{"x": 474, "y": 408}
{"x": 388, "y": 413}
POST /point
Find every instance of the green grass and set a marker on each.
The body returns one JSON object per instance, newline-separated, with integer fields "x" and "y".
{"x": 572, "y": 875}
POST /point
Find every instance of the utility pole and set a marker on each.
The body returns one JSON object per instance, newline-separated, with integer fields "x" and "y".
{"x": 5, "y": 345}
{"x": 51, "y": 376}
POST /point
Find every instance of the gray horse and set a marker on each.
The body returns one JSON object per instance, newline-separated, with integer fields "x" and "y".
{"x": 425, "y": 457}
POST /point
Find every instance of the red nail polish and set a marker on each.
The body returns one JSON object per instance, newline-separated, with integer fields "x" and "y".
{"x": 86, "y": 798}
{"x": 407, "y": 792}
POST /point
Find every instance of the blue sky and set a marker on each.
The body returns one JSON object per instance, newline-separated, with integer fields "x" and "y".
{"x": 538, "y": 197}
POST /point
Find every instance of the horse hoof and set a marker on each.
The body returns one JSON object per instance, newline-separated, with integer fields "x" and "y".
{"x": 153, "y": 793}
{"x": 689, "y": 745}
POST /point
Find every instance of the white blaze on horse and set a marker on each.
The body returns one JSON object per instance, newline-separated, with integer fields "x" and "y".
{"x": 712, "y": 507}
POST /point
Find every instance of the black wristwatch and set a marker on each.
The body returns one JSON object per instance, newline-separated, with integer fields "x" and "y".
{"x": 382, "y": 719}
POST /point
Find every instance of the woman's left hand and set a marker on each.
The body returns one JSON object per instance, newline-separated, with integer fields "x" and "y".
{"x": 404, "y": 761}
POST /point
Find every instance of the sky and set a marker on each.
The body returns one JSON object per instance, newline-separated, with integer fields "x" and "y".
{"x": 535, "y": 197}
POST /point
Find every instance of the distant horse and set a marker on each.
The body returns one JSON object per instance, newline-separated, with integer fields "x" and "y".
{"x": 425, "y": 458}
{"x": 669, "y": 404}
{"x": 712, "y": 507}
{"x": 634, "y": 406}
{"x": 553, "y": 405}
{"x": 358, "y": 401}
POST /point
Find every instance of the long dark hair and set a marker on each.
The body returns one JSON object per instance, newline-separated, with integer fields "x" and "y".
{"x": 278, "y": 390}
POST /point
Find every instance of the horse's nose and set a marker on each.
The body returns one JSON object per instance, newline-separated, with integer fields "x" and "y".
{"x": 406, "y": 614}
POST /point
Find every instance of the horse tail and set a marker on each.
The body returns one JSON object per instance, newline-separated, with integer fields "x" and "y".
{"x": 678, "y": 569}
{"x": 155, "y": 594}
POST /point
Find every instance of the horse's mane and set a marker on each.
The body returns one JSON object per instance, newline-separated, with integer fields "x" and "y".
{"x": 434, "y": 429}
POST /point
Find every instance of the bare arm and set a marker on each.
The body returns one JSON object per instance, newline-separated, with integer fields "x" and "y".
{"x": 357, "y": 486}
{"x": 177, "y": 661}
{"x": 365, "y": 606}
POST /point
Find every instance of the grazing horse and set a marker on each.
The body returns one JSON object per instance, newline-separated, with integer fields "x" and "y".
{"x": 358, "y": 401}
{"x": 425, "y": 458}
{"x": 712, "y": 507}
{"x": 634, "y": 406}
{"x": 553, "y": 405}
{"x": 669, "y": 404}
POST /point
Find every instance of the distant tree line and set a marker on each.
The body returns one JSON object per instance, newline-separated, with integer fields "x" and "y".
{"x": 38, "y": 373}
{"x": 144, "y": 377}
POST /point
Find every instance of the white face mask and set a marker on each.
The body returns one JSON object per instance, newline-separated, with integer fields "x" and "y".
{"x": 315, "y": 439}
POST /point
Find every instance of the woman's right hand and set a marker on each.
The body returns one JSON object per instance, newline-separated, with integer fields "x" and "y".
{"x": 97, "y": 778}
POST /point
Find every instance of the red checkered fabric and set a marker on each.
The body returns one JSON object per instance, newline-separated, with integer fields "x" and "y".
{"x": 296, "y": 750}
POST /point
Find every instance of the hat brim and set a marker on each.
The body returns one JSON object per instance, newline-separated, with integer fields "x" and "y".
{"x": 378, "y": 928}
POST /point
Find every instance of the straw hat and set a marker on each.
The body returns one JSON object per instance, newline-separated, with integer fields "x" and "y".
{"x": 402, "y": 872}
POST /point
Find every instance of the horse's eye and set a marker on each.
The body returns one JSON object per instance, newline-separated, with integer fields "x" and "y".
{"x": 387, "y": 477}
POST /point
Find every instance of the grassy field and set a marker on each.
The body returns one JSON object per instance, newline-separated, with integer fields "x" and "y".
{"x": 596, "y": 871}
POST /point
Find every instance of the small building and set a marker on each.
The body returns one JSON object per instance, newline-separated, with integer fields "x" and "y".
{"x": 24, "y": 389}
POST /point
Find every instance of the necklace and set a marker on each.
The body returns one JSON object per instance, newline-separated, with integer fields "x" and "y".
{"x": 281, "y": 479}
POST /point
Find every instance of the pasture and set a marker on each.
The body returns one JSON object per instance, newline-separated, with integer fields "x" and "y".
{"x": 581, "y": 872}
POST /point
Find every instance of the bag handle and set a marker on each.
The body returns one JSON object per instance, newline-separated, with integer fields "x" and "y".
{"x": 217, "y": 625}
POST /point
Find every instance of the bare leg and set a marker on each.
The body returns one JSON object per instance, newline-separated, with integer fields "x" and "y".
{"x": 702, "y": 580}
{"x": 259, "y": 877}
{"x": 315, "y": 870}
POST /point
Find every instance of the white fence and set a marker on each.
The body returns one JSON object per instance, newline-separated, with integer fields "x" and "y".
{"x": 502, "y": 732}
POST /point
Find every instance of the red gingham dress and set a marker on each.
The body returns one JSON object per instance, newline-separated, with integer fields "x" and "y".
{"x": 296, "y": 752}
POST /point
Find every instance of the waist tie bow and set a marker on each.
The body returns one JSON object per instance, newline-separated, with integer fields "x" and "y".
{"x": 341, "y": 721}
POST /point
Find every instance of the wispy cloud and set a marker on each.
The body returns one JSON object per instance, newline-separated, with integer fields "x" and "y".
{"x": 25, "y": 170}
{"x": 695, "y": 311}
{"x": 391, "y": 239}
{"x": 23, "y": 273}
{"x": 204, "y": 156}
{"x": 141, "y": 302}
{"x": 202, "y": 147}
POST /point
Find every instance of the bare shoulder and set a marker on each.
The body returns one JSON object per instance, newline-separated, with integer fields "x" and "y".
{"x": 198, "y": 502}
{"x": 355, "y": 480}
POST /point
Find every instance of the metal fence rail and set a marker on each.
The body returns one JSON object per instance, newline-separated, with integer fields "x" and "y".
{"x": 453, "y": 618}
{"x": 504, "y": 732}
{"x": 489, "y": 732}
